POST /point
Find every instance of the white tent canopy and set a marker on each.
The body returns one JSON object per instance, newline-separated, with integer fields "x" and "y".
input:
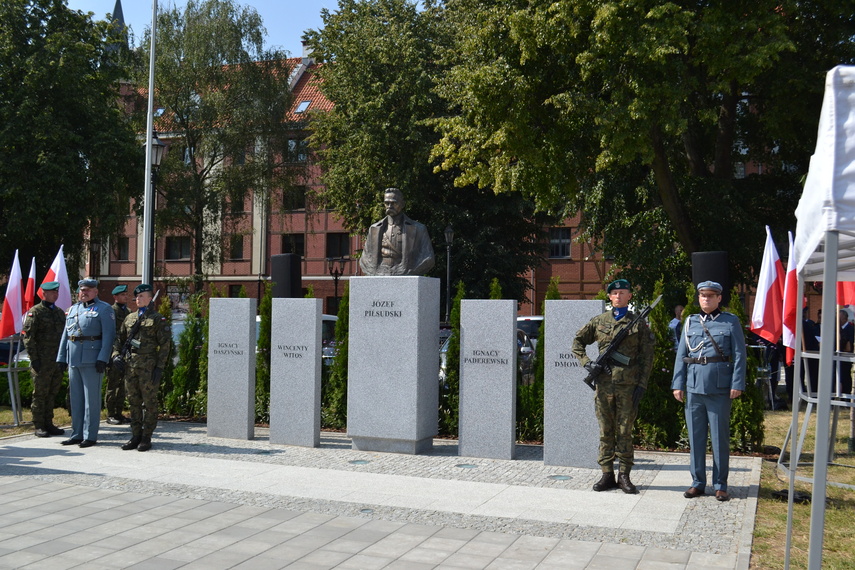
{"x": 824, "y": 249}
{"x": 828, "y": 200}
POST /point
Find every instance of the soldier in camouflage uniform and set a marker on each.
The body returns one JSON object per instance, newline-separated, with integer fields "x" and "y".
{"x": 114, "y": 395}
{"x": 149, "y": 344}
{"x": 621, "y": 386}
{"x": 43, "y": 326}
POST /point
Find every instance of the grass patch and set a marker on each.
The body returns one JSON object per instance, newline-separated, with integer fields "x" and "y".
{"x": 61, "y": 418}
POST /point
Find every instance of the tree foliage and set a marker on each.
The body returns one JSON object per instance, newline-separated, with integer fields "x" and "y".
{"x": 71, "y": 162}
{"x": 642, "y": 115}
{"x": 380, "y": 71}
{"x": 224, "y": 101}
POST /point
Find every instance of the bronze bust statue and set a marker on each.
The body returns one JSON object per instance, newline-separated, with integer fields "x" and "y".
{"x": 396, "y": 245}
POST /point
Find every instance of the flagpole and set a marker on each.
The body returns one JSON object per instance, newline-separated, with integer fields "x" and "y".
{"x": 148, "y": 191}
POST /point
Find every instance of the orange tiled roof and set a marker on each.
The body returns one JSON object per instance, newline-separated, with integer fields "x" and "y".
{"x": 308, "y": 88}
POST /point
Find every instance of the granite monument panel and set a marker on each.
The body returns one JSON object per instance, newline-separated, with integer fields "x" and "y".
{"x": 231, "y": 368}
{"x": 295, "y": 372}
{"x": 393, "y": 365}
{"x": 571, "y": 433}
{"x": 488, "y": 378}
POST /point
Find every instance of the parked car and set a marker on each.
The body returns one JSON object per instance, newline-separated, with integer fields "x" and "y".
{"x": 531, "y": 326}
{"x": 525, "y": 359}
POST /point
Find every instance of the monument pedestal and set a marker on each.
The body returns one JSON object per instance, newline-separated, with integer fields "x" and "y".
{"x": 571, "y": 433}
{"x": 231, "y": 368}
{"x": 393, "y": 365}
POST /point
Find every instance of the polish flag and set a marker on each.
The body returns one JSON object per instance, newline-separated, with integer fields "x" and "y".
{"x": 791, "y": 309}
{"x": 58, "y": 273}
{"x": 30, "y": 292}
{"x": 845, "y": 293}
{"x": 767, "y": 319}
{"x": 12, "y": 320}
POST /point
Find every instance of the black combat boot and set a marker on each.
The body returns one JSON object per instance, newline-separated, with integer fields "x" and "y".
{"x": 145, "y": 443}
{"x": 626, "y": 485}
{"x": 606, "y": 482}
{"x": 133, "y": 443}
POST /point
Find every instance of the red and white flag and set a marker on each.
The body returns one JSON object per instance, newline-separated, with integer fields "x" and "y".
{"x": 767, "y": 319}
{"x": 58, "y": 273}
{"x": 30, "y": 291}
{"x": 791, "y": 308}
{"x": 845, "y": 293}
{"x": 12, "y": 320}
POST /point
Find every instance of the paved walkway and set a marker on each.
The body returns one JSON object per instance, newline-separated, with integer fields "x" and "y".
{"x": 200, "y": 502}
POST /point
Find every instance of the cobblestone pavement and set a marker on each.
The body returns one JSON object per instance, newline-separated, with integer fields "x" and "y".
{"x": 355, "y": 509}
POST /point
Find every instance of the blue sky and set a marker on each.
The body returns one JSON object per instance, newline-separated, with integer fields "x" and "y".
{"x": 285, "y": 20}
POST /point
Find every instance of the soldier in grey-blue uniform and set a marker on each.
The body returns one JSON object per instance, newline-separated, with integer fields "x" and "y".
{"x": 85, "y": 347}
{"x": 709, "y": 372}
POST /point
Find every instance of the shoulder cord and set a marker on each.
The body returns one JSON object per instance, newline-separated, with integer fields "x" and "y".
{"x": 700, "y": 344}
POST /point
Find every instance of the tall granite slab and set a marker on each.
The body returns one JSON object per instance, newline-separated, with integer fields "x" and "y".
{"x": 393, "y": 363}
{"x": 231, "y": 368}
{"x": 295, "y": 372}
{"x": 571, "y": 433}
{"x": 488, "y": 378}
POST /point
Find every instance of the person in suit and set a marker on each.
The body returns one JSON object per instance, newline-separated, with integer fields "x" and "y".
{"x": 396, "y": 245}
{"x": 85, "y": 348}
{"x": 114, "y": 395}
{"x": 709, "y": 372}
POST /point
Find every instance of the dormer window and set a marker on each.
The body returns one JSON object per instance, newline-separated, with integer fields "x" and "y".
{"x": 301, "y": 108}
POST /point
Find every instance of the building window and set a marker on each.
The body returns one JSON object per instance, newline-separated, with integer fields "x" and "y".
{"x": 235, "y": 291}
{"x": 338, "y": 244}
{"x": 236, "y": 247}
{"x": 297, "y": 150}
{"x": 294, "y": 243}
{"x": 303, "y": 106}
{"x": 294, "y": 198}
{"x": 123, "y": 249}
{"x": 559, "y": 242}
{"x": 177, "y": 247}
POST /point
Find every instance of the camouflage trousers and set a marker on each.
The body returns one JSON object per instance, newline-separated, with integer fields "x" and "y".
{"x": 142, "y": 392}
{"x": 616, "y": 415}
{"x": 114, "y": 394}
{"x": 46, "y": 385}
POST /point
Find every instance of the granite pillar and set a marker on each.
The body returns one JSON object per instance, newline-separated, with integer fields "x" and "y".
{"x": 295, "y": 372}
{"x": 393, "y": 364}
{"x": 231, "y": 368}
{"x": 488, "y": 378}
{"x": 571, "y": 433}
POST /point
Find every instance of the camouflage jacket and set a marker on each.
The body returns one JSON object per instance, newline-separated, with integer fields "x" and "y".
{"x": 121, "y": 314}
{"x": 638, "y": 346}
{"x": 151, "y": 342}
{"x": 43, "y": 326}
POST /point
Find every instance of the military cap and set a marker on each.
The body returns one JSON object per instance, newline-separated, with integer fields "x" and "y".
{"x": 87, "y": 282}
{"x": 50, "y": 286}
{"x": 617, "y": 284}
{"x": 142, "y": 288}
{"x": 710, "y": 285}
{"x": 119, "y": 289}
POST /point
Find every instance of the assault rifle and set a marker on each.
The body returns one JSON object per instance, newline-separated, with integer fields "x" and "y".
{"x": 596, "y": 367}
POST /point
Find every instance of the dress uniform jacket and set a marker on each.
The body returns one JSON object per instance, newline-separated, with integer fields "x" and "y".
{"x": 417, "y": 257}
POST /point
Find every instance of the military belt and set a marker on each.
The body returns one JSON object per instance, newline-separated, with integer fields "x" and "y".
{"x": 706, "y": 359}
{"x": 83, "y": 338}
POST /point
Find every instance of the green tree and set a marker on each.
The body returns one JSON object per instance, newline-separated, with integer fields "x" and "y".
{"x": 334, "y": 391}
{"x": 226, "y": 99}
{"x": 190, "y": 374}
{"x": 262, "y": 357}
{"x": 164, "y": 307}
{"x": 495, "y": 289}
{"x": 642, "y": 115}
{"x": 71, "y": 162}
{"x": 449, "y": 391}
{"x": 380, "y": 70}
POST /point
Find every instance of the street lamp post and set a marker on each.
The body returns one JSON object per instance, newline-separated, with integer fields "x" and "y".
{"x": 449, "y": 237}
{"x": 158, "y": 150}
{"x": 335, "y": 265}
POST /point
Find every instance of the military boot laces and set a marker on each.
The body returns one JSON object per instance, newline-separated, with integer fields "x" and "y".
{"x": 606, "y": 482}
{"x": 626, "y": 485}
{"x": 133, "y": 443}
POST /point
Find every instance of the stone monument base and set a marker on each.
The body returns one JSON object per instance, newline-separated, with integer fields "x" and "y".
{"x": 386, "y": 445}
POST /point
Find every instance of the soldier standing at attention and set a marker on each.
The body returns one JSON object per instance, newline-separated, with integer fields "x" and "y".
{"x": 90, "y": 327}
{"x": 147, "y": 337}
{"x": 710, "y": 368}
{"x": 114, "y": 396}
{"x": 42, "y": 331}
{"x": 621, "y": 386}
